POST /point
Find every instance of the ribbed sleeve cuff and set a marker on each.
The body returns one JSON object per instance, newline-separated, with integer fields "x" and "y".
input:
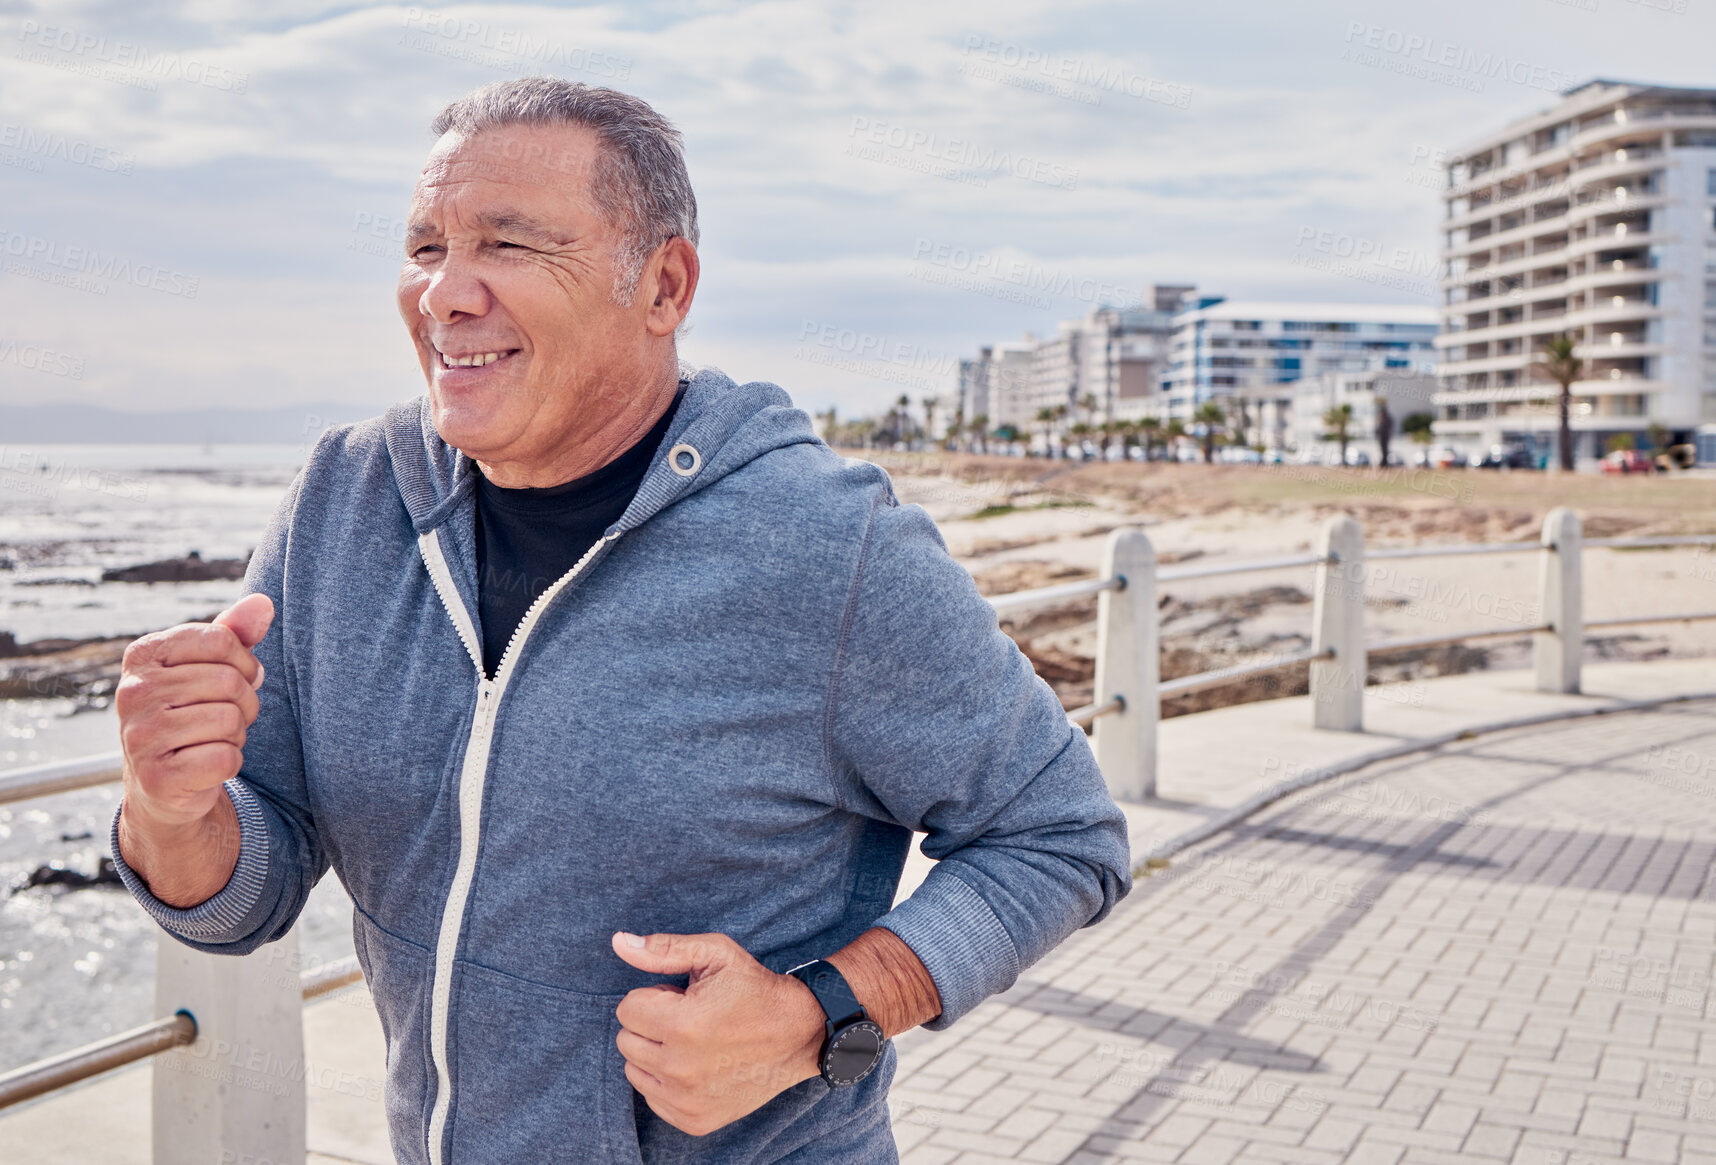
{"x": 235, "y": 912}
{"x": 956, "y": 935}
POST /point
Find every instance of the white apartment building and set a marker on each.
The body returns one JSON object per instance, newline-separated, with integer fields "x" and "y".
{"x": 1113, "y": 357}
{"x": 1596, "y": 217}
{"x": 1248, "y": 356}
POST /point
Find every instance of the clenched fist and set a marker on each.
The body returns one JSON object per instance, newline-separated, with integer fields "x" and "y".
{"x": 733, "y": 1039}
{"x": 186, "y": 697}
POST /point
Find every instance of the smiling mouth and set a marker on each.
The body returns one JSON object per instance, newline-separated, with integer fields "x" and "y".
{"x": 473, "y": 359}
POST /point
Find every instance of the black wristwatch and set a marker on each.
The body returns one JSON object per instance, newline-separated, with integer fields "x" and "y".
{"x": 852, "y": 1044}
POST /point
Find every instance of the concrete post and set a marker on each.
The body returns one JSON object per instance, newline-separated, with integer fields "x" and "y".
{"x": 237, "y": 1092}
{"x": 1560, "y": 593}
{"x": 1337, "y": 684}
{"x": 1127, "y": 663}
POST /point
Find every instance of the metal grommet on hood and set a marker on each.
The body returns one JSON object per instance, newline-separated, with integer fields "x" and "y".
{"x": 684, "y": 459}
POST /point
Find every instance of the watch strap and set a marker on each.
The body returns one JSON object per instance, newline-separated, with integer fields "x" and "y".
{"x": 832, "y": 991}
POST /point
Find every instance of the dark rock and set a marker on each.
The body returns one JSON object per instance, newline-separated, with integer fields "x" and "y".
{"x": 56, "y": 874}
{"x": 190, "y": 568}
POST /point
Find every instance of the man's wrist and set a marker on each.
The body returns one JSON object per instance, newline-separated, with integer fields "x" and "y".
{"x": 183, "y": 863}
{"x": 805, "y": 1018}
{"x": 889, "y": 979}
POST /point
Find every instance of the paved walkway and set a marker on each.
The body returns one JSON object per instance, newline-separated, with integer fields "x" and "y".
{"x": 1499, "y": 950}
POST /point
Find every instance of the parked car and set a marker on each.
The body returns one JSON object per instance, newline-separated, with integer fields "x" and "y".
{"x": 1508, "y": 457}
{"x": 1627, "y": 461}
{"x": 1443, "y": 458}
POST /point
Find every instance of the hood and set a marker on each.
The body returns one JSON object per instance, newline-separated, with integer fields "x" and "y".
{"x": 728, "y": 425}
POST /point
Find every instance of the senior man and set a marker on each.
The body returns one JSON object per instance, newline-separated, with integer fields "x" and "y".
{"x": 613, "y": 698}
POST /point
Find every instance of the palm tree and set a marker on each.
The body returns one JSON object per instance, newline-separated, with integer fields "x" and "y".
{"x": 1564, "y": 368}
{"x": 1212, "y": 418}
{"x": 1046, "y": 418}
{"x": 980, "y": 430}
{"x": 1339, "y": 420}
{"x": 1172, "y": 435}
{"x": 1151, "y": 430}
{"x": 1384, "y": 430}
{"x": 1079, "y": 432}
{"x": 930, "y": 404}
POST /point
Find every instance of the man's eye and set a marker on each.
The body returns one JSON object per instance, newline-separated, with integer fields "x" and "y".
{"x": 425, "y": 249}
{"x": 512, "y": 246}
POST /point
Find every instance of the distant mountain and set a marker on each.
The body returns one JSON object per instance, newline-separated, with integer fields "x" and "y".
{"x": 89, "y": 425}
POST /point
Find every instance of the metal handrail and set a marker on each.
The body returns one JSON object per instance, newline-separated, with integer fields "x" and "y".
{"x": 1214, "y": 679}
{"x": 329, "y": 979}
{"x": 40, "y": 780}
{"x": 1174, "y": 574}
{"x": 1055, "y": 594}
{"x": 1629, "y": 620}
{"x": 1455, "y": 550}
{"x": 1082, "y": 716}
{"x": 1658, "y": 540}
{"x": 1453, "y": 637}
{"x": 160, "y": 1035}
{"x": 32, "y": 1080}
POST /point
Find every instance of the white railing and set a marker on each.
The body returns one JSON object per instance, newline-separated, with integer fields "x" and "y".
{"x": 206, "y": 1107}
{"x": 1129, "y": 692}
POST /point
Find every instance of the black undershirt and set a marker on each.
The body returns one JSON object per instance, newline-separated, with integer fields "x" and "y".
{"x": 528, "y": 538}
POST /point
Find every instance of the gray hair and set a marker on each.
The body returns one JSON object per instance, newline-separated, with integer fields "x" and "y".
{"x": 639, "y": 182}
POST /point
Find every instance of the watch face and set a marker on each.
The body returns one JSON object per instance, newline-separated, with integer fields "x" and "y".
{"x": 853, "y": 1053}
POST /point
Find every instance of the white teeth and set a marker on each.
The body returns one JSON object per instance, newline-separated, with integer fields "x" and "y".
{"x": 476, "y": 361}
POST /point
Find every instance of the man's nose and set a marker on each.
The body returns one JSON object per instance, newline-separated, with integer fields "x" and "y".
{"x": 454, "y": 289}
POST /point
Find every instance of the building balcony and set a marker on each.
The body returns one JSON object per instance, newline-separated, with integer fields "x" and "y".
{"x": 1637, "y": 123}
{"x": 1548, "y": 159}
{"x": 1517, "y": 297}
{"x": 1558, "y": 190}
{"x": 1547, "y": 325}
{"x": 1611, "y": 203}
{"x": 1538, "y": 390}
{"x": 1523, "y": 233}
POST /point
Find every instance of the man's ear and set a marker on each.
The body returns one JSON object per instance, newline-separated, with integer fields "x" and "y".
{"x": 669, "y": 284}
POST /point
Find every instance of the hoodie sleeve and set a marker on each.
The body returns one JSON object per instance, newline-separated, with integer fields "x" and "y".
{"x": 279, "y": 857}
{"x": 938, "y": 722}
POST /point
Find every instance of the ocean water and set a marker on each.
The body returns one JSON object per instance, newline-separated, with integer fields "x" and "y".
{"x": 76, "y": 965}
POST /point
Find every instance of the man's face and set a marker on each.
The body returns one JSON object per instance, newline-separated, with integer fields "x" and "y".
{"x": 505, "y": 290}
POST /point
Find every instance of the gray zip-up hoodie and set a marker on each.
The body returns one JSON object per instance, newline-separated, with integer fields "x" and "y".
{"x": 729, "y": 716}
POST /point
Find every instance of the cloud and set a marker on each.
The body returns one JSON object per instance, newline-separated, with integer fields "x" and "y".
{"x": 1109, "y": 142}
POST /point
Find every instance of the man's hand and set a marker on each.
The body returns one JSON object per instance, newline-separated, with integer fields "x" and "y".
{"x": 185, "y": 698}
{"x": 734, "y": 1039}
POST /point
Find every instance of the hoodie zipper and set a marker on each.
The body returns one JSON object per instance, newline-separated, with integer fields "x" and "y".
{"x": 472, "y": 773}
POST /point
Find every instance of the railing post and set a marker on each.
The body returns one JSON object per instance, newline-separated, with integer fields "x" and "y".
{"x": 1337, "y": 684}
{"x": 1556, "y": 652}
{"x": 237, "y": 1093}
{"x": 1127, "y": 664}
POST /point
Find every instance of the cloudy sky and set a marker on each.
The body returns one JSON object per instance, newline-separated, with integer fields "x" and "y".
{"x": 198, "y": 200}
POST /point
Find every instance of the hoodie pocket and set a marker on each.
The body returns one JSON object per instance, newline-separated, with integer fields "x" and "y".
{"x": 398, "y": 973}
{"x": 537, "y": 1075}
